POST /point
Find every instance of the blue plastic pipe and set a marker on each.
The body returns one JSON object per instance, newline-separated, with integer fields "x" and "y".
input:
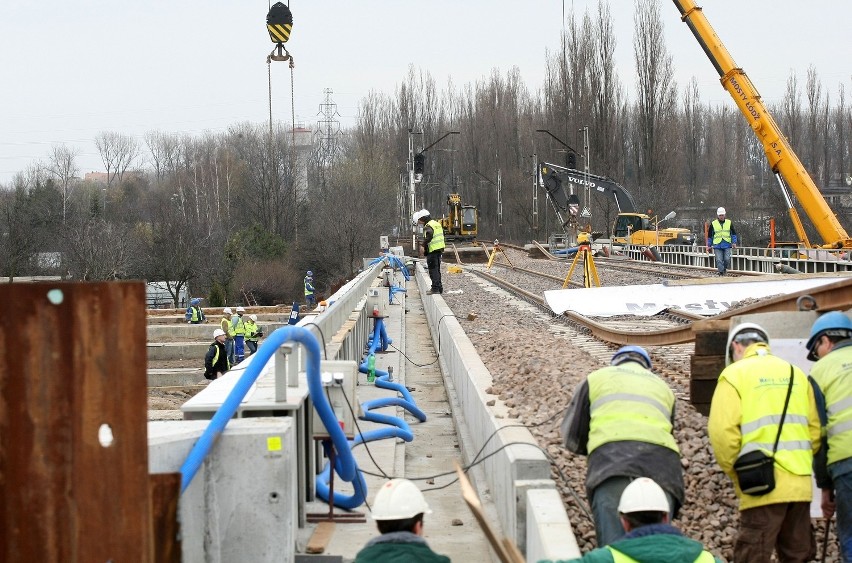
{"x": 345, "y": 465}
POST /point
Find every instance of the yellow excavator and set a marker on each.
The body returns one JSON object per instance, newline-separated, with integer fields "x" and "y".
{"x": 787, "y": 167}
{"x": 462, "y": 224}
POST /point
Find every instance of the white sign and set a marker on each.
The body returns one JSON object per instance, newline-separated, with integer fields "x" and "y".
{"x": 648, "y": 300}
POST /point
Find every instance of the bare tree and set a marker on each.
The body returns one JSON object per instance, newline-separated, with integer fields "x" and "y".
{"x": 655, "y": 105}
{"x": 62, "y": 166}
{"x": 118, "y": 151}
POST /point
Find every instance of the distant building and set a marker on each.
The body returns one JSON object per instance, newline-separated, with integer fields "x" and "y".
{"x": 303, "y": 141}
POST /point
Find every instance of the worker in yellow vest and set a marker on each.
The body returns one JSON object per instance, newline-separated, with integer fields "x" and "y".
{"x": 758, "y": 415}
{"x": 225, "y": 325}
{"x": 621, "y": 418}
{"x": 830, "y": 345}
{"x": 238, "y": 328}
{"x": 433, "y": 248}
{"x": 216, "y": 360}
{"x": 722, "y": 237}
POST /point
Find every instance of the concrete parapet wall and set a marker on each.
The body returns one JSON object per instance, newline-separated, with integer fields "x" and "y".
{"x": 513, "y": 471}
{"x": 549, "y": 533}
{"x": 246, "y": 488}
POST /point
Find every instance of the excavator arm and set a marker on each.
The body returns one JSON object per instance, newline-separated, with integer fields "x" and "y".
{"x": 782, "y": 159}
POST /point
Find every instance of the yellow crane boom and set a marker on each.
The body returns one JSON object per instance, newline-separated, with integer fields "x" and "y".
{"x": 782, "y": 159}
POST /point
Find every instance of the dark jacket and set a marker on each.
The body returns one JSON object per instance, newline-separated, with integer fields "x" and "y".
{"x": 399, "y": 547}
{"x": 216, "y": 360}
{"x": 620, "y": 459}
{"x": 657, "y": 543}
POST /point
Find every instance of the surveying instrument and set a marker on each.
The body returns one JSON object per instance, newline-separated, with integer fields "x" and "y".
{"x": 584, "y": 254}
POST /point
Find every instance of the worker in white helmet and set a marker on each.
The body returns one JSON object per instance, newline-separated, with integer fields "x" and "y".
{"x": 216, "y": 361}
{"x": 433, "y": 248}
{"x": 644, "y": 513}
{"x": 764, "y": 428}
{"x": 722, "y": 237}
{"x": 238, "y": 328}
{"x": 225, "y": 325}
{"x": 253, "y": 333}
{"x": 398, "y": 511}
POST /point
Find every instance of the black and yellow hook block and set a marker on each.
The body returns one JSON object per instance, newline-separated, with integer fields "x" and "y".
{"x": 279, "y": 23}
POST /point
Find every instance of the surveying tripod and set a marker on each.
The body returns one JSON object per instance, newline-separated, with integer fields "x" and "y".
{"x": 584, "y": 253}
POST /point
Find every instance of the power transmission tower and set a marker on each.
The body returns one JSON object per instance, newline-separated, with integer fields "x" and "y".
{"x": 327, "y": 135}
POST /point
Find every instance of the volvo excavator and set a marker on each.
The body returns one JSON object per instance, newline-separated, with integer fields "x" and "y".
{"x": 784, "y": 163}
{"x": 631, "y": 227}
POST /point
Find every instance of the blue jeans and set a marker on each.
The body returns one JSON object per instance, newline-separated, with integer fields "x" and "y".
{"x": 605, "y": 499}
{"x": 843, "y": 498}
{"x": 723, "y": 259}
{"x": 229, "y": 349}
{"x": 239, "y": 348}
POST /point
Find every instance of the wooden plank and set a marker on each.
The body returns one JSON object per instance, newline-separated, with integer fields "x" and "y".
{"x": 706, "y": 367}
{"x": 701, "y": 392}
{"x": 320, "y": 538}
{"x": 505, "y": 549}
{"x": 72, "y": 376}
{"x": 165, "y": 492}
{"x": 711, "y": 343}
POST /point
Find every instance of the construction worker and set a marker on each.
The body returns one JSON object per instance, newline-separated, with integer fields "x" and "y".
{"x": 253, "y": 333}
{"x": 194, "y": 314}
{"x": 621, "y": 417}
{"x": 310, "y": 299}
{"x": 433, "y": 248}
{"x": 225, "y": 325}
{"x": 830, "y": 345}
{"x": 398, "y": 511}
{"x": 238, "y": 329}
{"x": 644, "y": 513}
{"x": 757, "y": 409}
{"x": 722, "y": 237}
{"x": 216, "y": 361}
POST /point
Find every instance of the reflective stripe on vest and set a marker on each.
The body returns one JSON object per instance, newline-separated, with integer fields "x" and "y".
{"x": 196, "y": 314}
{"x": 239, "y": 327}
{"x": 225, "y": 324}
{"x": 721, "y": 231}
{"x": 833, "y": 374}
{"x": 618, "y": 557}
{"x": 761, "y": 382}
{"x": 308, "y": 291}
{"x": 216, "y": 359}
{"x": 437, "y": 242}
{"x": 642, "y": 414}
{"x": 251, "y": 331}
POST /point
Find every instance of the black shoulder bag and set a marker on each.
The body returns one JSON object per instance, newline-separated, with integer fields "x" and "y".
{"x": 756, "y": 470}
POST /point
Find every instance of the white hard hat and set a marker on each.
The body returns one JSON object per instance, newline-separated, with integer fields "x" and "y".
{"x": 643, "y": 495}
{"x": 227, "y": 311}
{"x": 399, "y": 499}
{"x": 720, "y": 211}
{"x": 420, "y": 214}
{"x": 240, "y": 310}
{"x": 749, "y": 331}
{"x": 253, "y": 317}
{"x": 218, "y": 332}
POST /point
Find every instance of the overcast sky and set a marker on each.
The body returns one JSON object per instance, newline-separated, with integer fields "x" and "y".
{"x": 73, "y": 68}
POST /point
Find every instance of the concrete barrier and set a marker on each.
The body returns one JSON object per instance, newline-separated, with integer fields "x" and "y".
{"x": 549, "y": 533}
{"x": 245, "y": 489}
{"x": 512, "y": 472}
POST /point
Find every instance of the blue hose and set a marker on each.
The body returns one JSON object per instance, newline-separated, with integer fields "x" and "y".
{"x": 345, "y": 465}
{"x": 398, "y": 427}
